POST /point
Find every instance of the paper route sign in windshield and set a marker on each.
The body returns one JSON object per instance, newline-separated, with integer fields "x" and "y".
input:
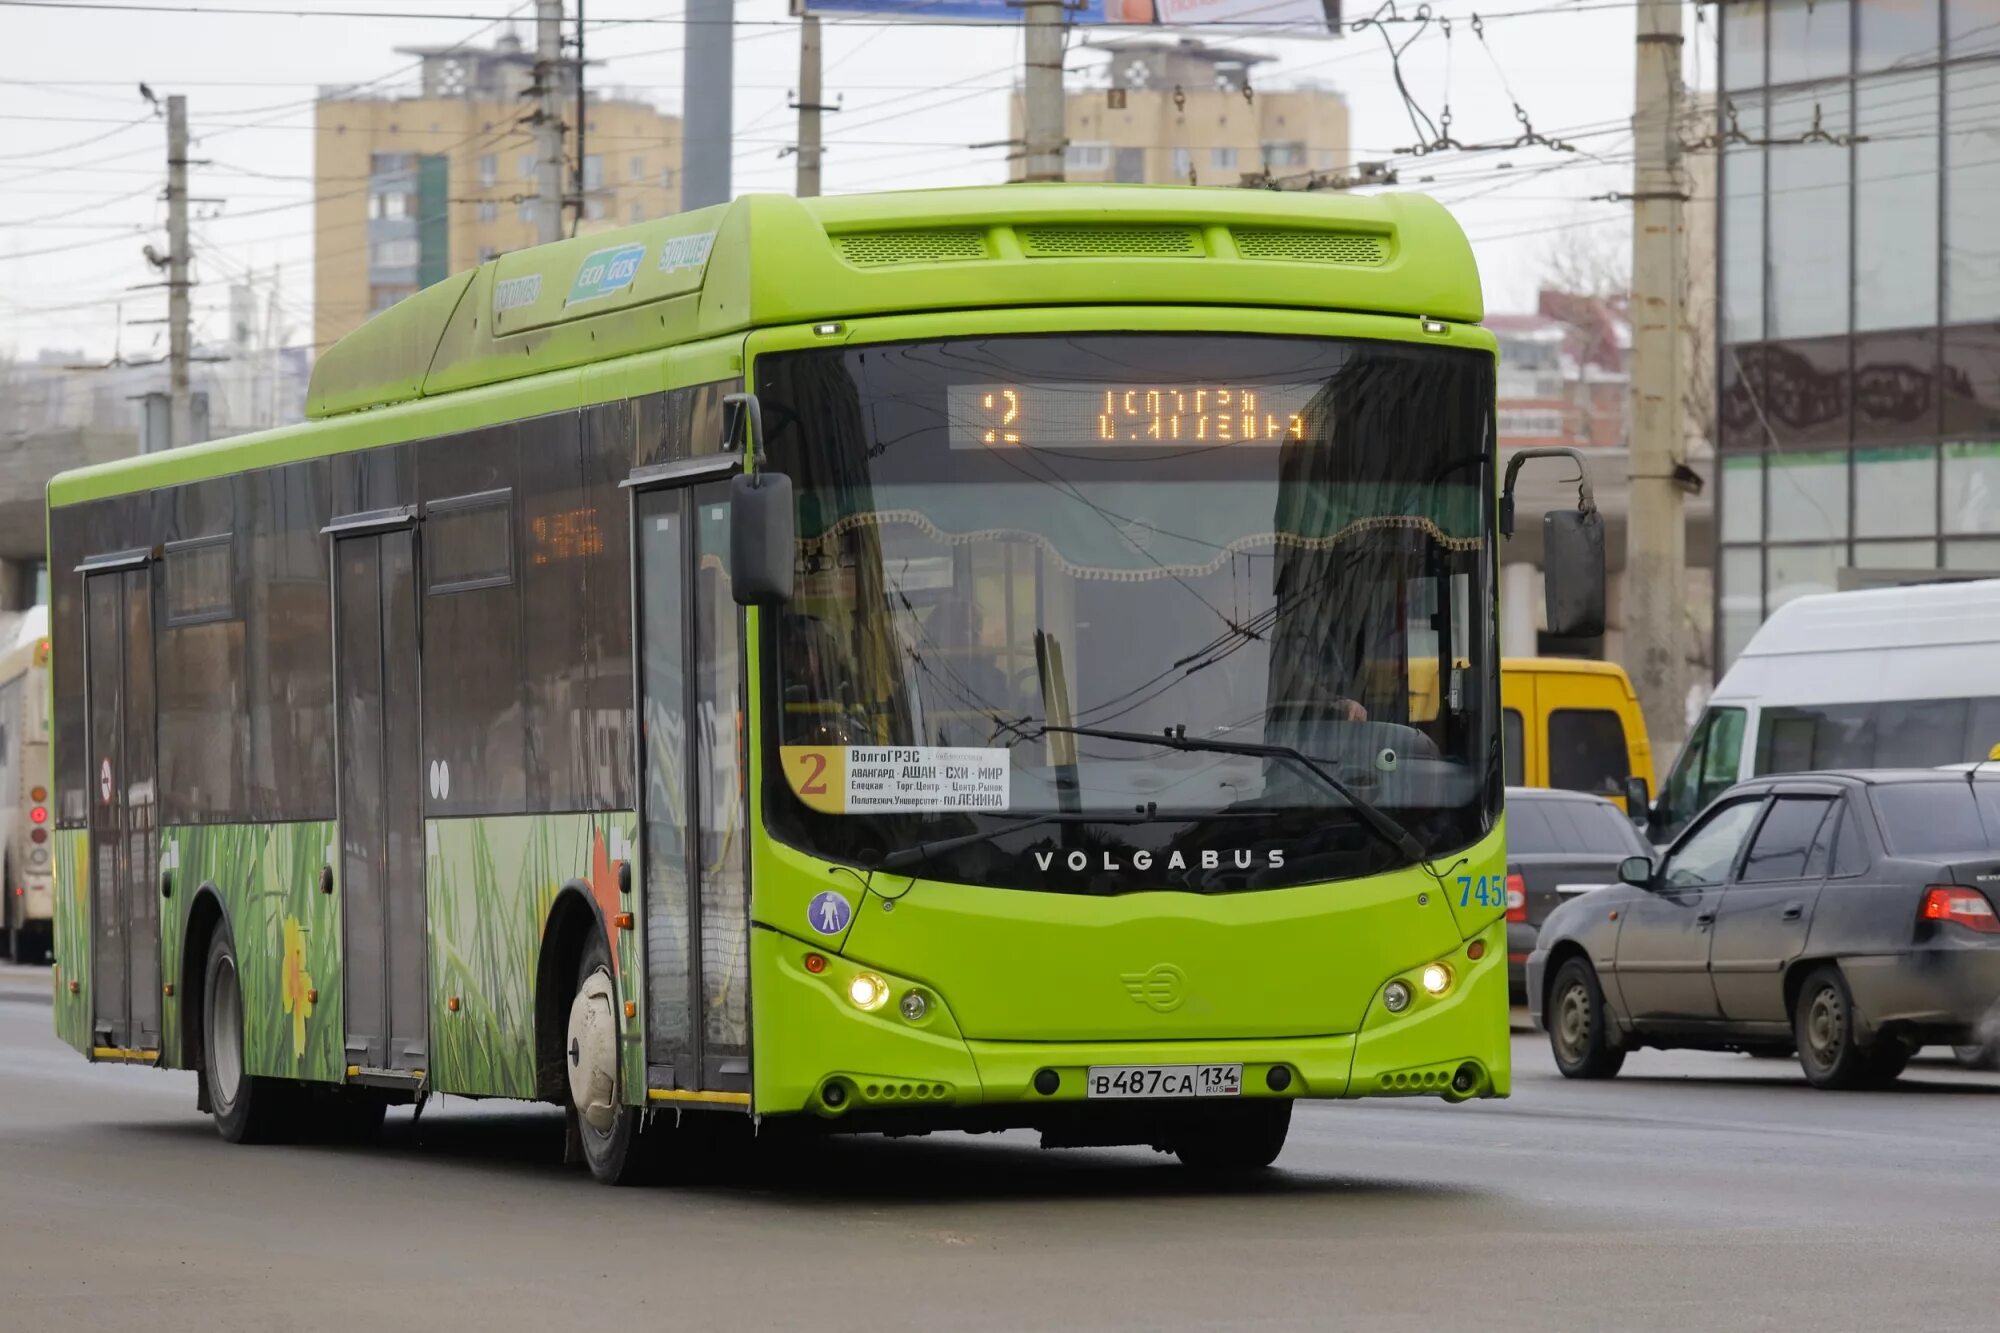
{"x": 885, "y": 779}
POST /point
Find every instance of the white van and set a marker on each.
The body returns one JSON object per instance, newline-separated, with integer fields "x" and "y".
{"x": 1882, "y": 678}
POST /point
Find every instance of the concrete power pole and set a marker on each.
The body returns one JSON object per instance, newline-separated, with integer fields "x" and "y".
{"x": 708, "y": 83}
{"x": 180, "y": 387}
{"x": 1042, "y": 122}
{"x": 1656, "y": 534}
{"x": 548, "y": 121}
{"x": 809, "y": 107}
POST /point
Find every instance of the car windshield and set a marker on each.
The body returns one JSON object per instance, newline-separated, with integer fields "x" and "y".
{"x": 1940, "y": 818}
{"x": 1278, "y": 542}
{"x": 1543, "y": 827}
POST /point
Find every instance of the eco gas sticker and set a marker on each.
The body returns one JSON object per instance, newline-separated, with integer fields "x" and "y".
{"x": 828, "y": 913}
{"x": 605, "y": 273}
{"x": 516, "y": 292}
{"x": 686, "y": 251}
{"x": 869, "y": 779}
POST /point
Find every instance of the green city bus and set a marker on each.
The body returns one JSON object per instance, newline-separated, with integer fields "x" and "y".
{"x": 890, "y": 663}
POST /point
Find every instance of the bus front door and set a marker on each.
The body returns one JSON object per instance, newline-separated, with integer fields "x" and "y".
{"x": 381, "y": 824}
{"x": 693, "y": 848}
{"x": 124, "y": 834}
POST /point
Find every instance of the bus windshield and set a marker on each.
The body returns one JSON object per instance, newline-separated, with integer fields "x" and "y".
{"x": 1258, "y": 541}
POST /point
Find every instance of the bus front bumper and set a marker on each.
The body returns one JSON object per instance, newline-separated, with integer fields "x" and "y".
{"x": 819, "y": 1053}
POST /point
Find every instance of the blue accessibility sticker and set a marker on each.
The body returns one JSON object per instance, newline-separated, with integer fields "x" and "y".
{"x": 605, "y": 273}
{"x": 828, "y": 913}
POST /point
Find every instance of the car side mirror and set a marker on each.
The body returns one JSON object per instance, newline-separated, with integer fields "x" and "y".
{"x": 1636, "y": 871}
{"x": 1638, "y": 801}
{"x": 763, "y": 538}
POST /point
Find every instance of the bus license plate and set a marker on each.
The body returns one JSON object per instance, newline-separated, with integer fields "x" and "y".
{"x": 1164, "y": 1081}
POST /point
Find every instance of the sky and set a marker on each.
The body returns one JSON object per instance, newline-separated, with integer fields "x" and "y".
{"x": 81, "y": 154}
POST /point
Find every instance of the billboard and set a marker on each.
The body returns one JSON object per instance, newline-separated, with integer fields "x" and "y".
{"x": 1226, "y": 18}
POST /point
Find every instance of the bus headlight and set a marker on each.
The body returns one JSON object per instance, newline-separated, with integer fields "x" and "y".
{"x": 867, "y": 991}
{"x": 1395, "y": 997}
{"x": 1436, "y": 978}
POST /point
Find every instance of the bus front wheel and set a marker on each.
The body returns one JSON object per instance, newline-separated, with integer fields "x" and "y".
{"x": 612, "y": 1134}
{"x": 1248, "y": 1137}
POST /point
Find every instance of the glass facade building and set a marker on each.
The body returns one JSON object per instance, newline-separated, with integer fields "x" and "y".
{"x": 1858, "y": 297}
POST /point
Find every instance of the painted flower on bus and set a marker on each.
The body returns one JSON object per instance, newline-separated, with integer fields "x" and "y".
{"x": 297, "y": 992}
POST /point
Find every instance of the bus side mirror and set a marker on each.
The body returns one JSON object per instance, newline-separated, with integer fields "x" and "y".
{"x": 763, "y": 538}
{"x": 1573, "y": 572}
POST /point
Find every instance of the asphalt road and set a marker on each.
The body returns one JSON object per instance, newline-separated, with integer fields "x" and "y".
{"x": 1693, "y": 1192}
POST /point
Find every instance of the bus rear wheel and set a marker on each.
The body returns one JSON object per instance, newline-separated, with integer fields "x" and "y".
{"x": 247, "y": 1109}
{"x": 1248, "y": 1137}
{"x": 613, "y": 1136}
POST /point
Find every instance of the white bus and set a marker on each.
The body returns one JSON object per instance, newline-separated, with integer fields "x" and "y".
{"x": 29, "y": 909}
{"x": 1882, "y": 678}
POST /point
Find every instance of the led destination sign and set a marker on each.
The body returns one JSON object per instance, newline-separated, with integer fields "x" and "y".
{"x": 1109, "y": 416}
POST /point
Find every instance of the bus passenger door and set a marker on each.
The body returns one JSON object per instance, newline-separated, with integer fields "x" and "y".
{"x": 124, "y": 835}
{"x": 693, "y": 852}
{"x": 381, "y": 824}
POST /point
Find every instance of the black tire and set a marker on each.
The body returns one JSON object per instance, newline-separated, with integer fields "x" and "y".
{"x": 247, "y": 1109}
{"x": 620, "y": 1154}
{"x": 1580, "y": 1025}
{"x": 1830, "y": 1052}
{"x": 1977, "y": 1055}
{"x": 1248, "y": 1137}
{"x": 1887, "y": 1061}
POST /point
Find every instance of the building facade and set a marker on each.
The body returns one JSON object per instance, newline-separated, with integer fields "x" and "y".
{"x": 1181, "y": 112}
{"x": 412, "y": 188}
{"x": 1857, "y": 314}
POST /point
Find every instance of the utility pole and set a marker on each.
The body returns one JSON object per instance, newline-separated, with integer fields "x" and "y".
{"x": 548, "y": 121}
{"x": 708, "y": 81}
{"x": 1042, "y": 122}
{"x": 809, "y": 107}
{"x": 180, "y": 388}
{"x": 582, "y": 123}
{"x": 1656, "y": 533}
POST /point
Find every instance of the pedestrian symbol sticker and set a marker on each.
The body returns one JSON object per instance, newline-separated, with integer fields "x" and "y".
{"x": 104, "y": 782}
{"x": 828, "y": 913}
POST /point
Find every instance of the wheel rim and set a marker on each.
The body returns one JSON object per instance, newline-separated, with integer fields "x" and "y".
{"x": 1826, "y": 1026}
{"x": 225, "y": 1035}
{"x": 1573, "y": 1022}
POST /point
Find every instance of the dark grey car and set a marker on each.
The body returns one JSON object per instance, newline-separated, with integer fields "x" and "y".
{"x": 1557, "y": 843}
{"x": 1847, "y": 916}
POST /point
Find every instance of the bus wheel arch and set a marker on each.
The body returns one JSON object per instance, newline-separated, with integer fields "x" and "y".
{"x": 572, "y": 919}
{"x": 205, "y": 916}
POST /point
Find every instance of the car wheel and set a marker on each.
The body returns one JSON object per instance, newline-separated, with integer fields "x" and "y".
{"x": 1579, "y": 1025}
{"x": 1979, "y": 1055}
{"x": 1829, "y": 1051}
{"x": 611, "y": 1133}
{"x": 1248, "y": 1138}
{"x": 247, "y": 1109}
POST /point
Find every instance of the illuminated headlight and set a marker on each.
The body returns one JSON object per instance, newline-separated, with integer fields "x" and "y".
{"x": 1437, "y": 978}
{"x": 1396, "y": 997}
{"x": 915, "y": 1006}
{"x": 868, "y": 991}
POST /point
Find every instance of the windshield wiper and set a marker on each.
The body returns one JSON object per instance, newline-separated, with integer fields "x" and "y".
{"x": 1177, "y": 739}
{"x": 924, "y": 851}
